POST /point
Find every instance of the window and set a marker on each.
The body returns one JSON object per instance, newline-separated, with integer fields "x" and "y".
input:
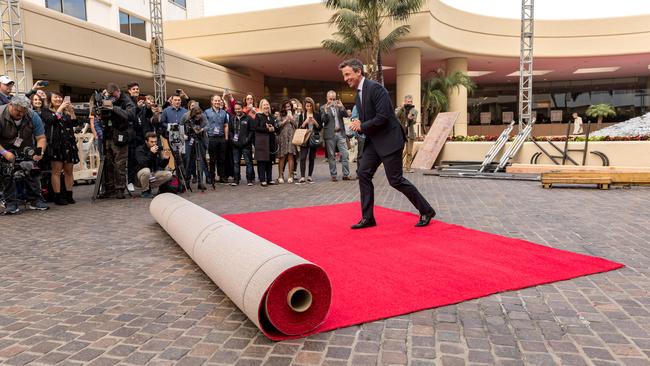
{"x": 133, "y": 26}
{"x": 180, "y": 3}
{"x": 75, "y": 8}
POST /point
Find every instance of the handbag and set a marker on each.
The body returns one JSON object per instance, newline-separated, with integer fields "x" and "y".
{"x": 301, "y": 137}
{"x": 315, "y": 140}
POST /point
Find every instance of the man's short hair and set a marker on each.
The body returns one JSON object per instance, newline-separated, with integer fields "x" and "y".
{"x": 149, "y": 135}
{"x": 239, "y": 103}
{"x": 215, "y": 95}
{"x": 331, "y": 92}
{"x": 20, "y": 101}
{"x": 112, "y": 88}
{"x": 176, "y": 96}
{"x": 132, "y": 84}
{"x": 408, "y": 96}
{"x": 354, "y": 63}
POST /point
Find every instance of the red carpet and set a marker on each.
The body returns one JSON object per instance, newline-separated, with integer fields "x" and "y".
{"x": 395, "y": 268}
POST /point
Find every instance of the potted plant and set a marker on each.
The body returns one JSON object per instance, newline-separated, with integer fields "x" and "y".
{"x": 601, "y": 111}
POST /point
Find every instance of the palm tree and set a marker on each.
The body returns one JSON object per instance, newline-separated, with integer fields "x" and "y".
{"x": 601, "y": 111}
{"x": 435, "y": 92}
{"x": 359, "y": 24}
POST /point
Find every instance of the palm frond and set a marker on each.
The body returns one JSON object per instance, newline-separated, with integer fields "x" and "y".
{"x": 391, "y": 39}
{"x": 339, "y": 48}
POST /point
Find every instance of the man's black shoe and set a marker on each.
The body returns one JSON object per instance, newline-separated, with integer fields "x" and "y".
{"x": 364, "y": 223}
{"x": 425, "y": 219}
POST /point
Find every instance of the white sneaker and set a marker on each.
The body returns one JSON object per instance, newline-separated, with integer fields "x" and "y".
{"x": 280, "y": 180}
{"x": 310, "y": 180}
{"x": 290, "y": 180}
{"x": 130, "y": 187}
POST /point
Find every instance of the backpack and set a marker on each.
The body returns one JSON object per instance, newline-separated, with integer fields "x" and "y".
{"x": 174, "y": 185}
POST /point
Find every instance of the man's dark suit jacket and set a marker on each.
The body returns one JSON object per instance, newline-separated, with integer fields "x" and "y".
{"x": 378, "y": 121}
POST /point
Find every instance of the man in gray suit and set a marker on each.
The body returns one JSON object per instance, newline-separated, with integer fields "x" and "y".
{"x": 332, "y": 115}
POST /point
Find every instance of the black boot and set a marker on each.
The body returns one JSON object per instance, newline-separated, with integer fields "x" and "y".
{"x": 68, "y": 197}
{"x": 59, "y": 199}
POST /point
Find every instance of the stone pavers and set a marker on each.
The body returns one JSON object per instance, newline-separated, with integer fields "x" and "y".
{"x": 102, "y": 284}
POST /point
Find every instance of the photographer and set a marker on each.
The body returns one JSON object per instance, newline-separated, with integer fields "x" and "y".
{"x": 332, "y": 115}
{"x": 6, "y": 87}
{"x": 20, "y": 128}
{"x": 194, "y": 125}
{"x": 151, "y": 166}
{"x": 60, "y": 121}
{"x": 116, "y": 111}
{"x": 172, "y": 114}
{"x": 136, "y": 131}
{"x": 407, "y": 115}
{"x": 218, "y": 124}
{"x": 242, "y": 134}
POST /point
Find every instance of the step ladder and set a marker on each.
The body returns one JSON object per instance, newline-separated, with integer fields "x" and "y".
{"x": 497, "y": 147}
{"x": 516, "y": 145}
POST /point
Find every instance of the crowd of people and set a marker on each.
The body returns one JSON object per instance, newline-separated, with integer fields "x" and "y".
{"x": 149, "y": 146}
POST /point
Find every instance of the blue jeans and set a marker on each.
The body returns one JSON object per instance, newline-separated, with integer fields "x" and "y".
{"x": 237, "y": 153}
{"x": 331, "y": 145}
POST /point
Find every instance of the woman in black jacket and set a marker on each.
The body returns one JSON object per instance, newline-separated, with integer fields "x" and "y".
{"x": 265, "y": 127}
{"x": 311, "y": 120}
{"x": 60, "y": 120}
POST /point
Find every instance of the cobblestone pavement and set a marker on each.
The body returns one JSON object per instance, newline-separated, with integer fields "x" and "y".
{"x": 102, "y": 284}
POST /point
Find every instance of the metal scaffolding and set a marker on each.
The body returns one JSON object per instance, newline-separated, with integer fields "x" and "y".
{"x": 158, "y": 52}
{"x": 13, "y": 50}
{"x": 526, "y": 64}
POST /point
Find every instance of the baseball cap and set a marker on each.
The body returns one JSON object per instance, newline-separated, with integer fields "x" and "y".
{"x": 4, "y": 79}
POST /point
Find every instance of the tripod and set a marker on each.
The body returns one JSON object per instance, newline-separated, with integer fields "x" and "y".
{"x": 176, "y": 146}
{"x": 199, "y": 161}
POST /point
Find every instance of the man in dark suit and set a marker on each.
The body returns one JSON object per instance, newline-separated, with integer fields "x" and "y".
{"x": 384, "y": 144}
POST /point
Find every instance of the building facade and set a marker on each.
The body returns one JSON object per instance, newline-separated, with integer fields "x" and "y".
{"x": 81, "y": 45}
{"x": 577, "y": 62}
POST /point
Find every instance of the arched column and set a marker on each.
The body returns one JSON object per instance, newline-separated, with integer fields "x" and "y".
{"x": 458, "y": 96}
{"x": 409, "y": 76}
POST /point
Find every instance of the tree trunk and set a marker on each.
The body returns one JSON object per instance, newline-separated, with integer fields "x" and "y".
{"x": 600, "y": 120}
{"x": 380, "y": 71}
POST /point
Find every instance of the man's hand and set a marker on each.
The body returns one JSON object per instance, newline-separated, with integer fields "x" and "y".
{"x": 37, "y": 85}
{"x": 37, "y": 158}
{"x": 9, "y": 156}
{"x": 355, "y": 125}
{"x": 154, "y": 149}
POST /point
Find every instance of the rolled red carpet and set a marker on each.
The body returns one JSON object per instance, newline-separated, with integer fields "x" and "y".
{"x": 395, "y": 268}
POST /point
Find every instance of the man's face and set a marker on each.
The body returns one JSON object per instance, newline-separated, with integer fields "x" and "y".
{"x": 151, "y": 142}
{"x": 331, "y": 97}
{"x": 239, "y": 110}
{"x": 176, "y": 101}
{"x": 134, "y": 91}
{"x": 116, "y": 94}
{"x": 217, "y": 102}
{"x": 408, "y": 100}
{"x": 6, "y": 88}
{"x": 351, "y": 77}
{"x": 17, "y": 113}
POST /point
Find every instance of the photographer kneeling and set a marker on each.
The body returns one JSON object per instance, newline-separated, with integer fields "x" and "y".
{"x": 20, "y": 127}
{"x": 150, "y": 166}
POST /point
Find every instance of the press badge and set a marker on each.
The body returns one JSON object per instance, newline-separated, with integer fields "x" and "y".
{"x": 18, "y": 141}
{"x": 235, "y": 138}
{"x": 120, "y": 138}
{"x": 216, "y": 130}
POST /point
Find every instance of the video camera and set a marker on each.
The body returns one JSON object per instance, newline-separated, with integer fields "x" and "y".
{"x": 23, "y": 165}
{"x": 175, "y": 134}
{"x": 103, "y": 104}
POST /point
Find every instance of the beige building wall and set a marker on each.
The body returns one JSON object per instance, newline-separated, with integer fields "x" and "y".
{"x": 92, "y": 56}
